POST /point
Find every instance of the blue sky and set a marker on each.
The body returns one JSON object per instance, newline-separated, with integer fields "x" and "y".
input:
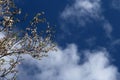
{"x": 87, "y": 34}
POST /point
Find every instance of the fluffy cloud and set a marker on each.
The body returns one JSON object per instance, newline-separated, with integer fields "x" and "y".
{"x": 65, "y": 64}
{"x": 82, "y": 10}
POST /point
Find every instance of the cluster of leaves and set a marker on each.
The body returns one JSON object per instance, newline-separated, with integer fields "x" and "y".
{"x": 12, "y": 46}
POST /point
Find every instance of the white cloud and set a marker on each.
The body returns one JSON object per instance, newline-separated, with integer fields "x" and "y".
{"x": 64, "y": 65}
{"x": 82, "y": 10}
